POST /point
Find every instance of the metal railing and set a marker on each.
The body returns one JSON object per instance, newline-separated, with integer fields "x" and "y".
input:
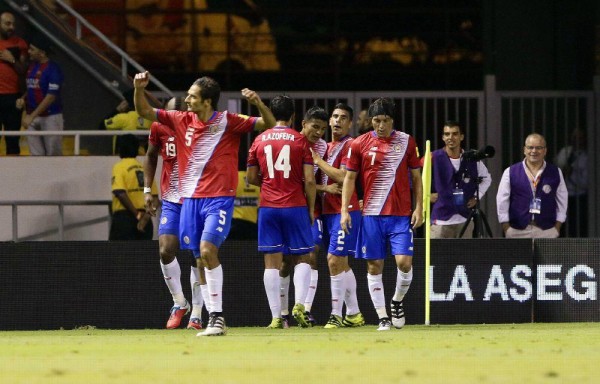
{"x": 61, "y": 212}
{"x": 76, "y": 134}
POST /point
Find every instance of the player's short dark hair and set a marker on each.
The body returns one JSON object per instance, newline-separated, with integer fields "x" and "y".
{"x": 346, "y": 108}
{"x": 282, "y": 107}
{"x": 316, "y": 113}
{"x": 382, "y": 106}
{"x": 209, "y": 89}
{"x": 453, "y": 123}
{"x": 127, "y": 146}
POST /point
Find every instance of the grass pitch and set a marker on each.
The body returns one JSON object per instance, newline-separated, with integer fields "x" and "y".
{"x": 521, "y": 353}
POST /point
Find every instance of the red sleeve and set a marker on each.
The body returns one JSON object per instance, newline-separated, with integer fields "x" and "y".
{"x": 413, "y": 160}
{"x": 153, "y": 138}
{"x": 308, "y": 159}
{"x": 353, "y": 157}
{"x": 252, "y": 160}
{"x": 240, "y": 123}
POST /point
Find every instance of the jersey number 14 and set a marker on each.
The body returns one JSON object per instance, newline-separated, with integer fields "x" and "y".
{"x": 281, "y": 164}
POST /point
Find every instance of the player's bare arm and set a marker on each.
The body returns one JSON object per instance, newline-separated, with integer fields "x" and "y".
{"x": 142, "y": 107}
{"x": 334, "y": 173}
{"x": 310, "y": 190}
{"x": 347, "y": 191}
{"x": 150, "y": 162}
{"x": 252, "y": 176}
{"x": 266, "y": 119}
{"x": 417, "y": 216}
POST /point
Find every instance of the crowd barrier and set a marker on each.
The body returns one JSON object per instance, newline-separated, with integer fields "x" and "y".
{"x": 119, "y": 285}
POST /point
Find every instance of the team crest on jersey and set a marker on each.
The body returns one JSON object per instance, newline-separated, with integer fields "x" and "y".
{"x": 213, "y": 128}
{"x": 397, "y": 147}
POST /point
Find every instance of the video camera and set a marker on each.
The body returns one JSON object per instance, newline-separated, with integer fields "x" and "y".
{"x": 475, "y": 155}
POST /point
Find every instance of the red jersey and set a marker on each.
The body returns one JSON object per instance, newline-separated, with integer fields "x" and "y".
{"x": 10, "y": 78}
{"x": 384, "y": 164}
{"x": 337, "y": 155}
{"x": 280, "y": 153}
{"x": 163, "y": 137}
{"x": 207, "y": 151}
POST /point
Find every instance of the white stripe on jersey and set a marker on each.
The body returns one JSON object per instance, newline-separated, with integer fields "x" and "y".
{"x": 321, "y": 148}
{"x": 331, "y": 158}
{"x": 203, "y": 149}
{"x": 386, "y": 174}
{"x": 172, "y": 194}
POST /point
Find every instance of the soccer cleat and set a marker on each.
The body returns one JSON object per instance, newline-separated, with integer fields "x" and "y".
{"x": 384, "y": 324}
{"x": 397, "y": 310}
{"x": 334, "y": 321}
{"x": 177, "y": 314}
{"x": 299, "y": 316}
{"x": 310, "y": 318}
{"x": 286, "y": 319}
{"x": 276, "y": 323}
{"x": 356, "y": 320}
{"x": 216, "y": 326}
{"x": 194, "y": 323}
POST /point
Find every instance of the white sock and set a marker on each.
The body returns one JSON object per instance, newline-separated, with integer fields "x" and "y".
{"x": 205, "y": 296}
{"x": 301, "y": 282}
{"x": 350, "y": 295}
{"x": 197, "y": 299}
{"x": 338, "y": 287}
{"x": 284, "y": 295}
{"x": 272, "y": 283}
{"x": 172, "y": 275}
{"x": 403, "y": 281}
{"x": 214, "y": 280}
{"x": 377, "y": 294}
{"x": 312, "y": 289}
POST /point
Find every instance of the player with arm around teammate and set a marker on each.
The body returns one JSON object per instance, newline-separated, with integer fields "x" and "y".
{"x": 385, "y": 158}
{"x": 207, "y": 155}
{"x": 341, "y": 244}
{"x": 281, "y": 163}
{"x": 314, "y": 125}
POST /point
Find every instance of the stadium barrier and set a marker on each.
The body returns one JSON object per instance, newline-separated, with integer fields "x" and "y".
{"x": 118, "y": 285}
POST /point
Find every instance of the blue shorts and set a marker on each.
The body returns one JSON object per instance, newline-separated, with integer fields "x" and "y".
{"x": 285, "y": 230}
{"x": 205, "y": 219}
{"x": 340, "y": 242}
{"x": 317, "y": 232}
{"x": 169, "y": 219}
{"x": 376, "y": 231}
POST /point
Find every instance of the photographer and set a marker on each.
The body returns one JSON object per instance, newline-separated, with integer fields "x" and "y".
{"x": 455, "y": 178}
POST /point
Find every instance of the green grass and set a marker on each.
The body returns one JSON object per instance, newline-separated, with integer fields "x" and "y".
{"x": 521, "y": 353}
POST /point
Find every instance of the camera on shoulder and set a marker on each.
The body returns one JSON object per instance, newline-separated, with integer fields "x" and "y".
{"x": 476, "y": 155}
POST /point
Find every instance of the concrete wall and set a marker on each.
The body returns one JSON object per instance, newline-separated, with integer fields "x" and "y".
{"x": 68, "y": 178}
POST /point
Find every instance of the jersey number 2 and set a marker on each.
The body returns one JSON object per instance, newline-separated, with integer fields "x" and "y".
{"x": 281, "y": 164}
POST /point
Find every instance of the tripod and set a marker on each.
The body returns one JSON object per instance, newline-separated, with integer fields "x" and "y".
{"x": 481, "y": 228}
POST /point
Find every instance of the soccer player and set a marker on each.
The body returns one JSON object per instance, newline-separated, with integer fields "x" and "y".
{"x": 281, "y": 163}
{"x": 162, "y": 141}
{"x": 207, "y": 155}
{"x": 341, "y": 244}
{"x": 385, "y": 158}
{"x": 314, "y": 125}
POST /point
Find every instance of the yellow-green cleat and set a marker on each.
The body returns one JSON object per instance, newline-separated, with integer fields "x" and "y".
{"x": 334, "y": 321}
{"x": 356, "y": 320}
{"x": 276, "y": 323}
{"x": 299, "y": 316}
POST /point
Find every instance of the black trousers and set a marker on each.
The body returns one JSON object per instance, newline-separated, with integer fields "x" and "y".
{"x": 10, "y": 119}
{"x": 124, "y": 227}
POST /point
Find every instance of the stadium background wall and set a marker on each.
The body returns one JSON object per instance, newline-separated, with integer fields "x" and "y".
{"x": 49, "y": 285}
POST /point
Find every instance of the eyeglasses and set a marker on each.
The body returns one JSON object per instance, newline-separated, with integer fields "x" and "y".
{"x": 537, "y": 148}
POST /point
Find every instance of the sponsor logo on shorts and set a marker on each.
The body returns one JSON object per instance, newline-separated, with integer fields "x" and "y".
{"x": 186, "y": 239}
{"x": 163, "y": 220}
